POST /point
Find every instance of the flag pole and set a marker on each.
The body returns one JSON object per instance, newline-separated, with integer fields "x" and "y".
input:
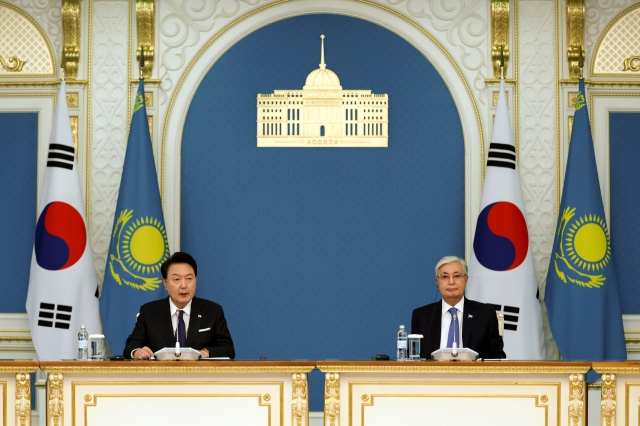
{"x": 501, "y": 62}
{"x": 141, "y": 61}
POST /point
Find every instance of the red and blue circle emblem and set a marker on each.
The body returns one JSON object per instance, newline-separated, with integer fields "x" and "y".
{"x": 61, "y": 236}
{"x": 501, "y": 242}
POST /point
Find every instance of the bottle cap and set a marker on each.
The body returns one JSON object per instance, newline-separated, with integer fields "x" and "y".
{"x": 402, "y": 326}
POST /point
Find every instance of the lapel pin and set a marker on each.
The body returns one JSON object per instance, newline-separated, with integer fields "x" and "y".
{"x": 199, "y": 316}
{"x": 469, "y": 316}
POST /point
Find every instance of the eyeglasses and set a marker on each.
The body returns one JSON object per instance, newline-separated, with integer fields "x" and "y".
{"x": 446, "y": 277}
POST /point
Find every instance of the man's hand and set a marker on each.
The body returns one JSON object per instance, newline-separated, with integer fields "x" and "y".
{"x": 143, "y": 353}
{"x": 204, "y": 353}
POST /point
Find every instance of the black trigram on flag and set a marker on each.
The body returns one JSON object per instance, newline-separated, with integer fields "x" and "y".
{"x": 510, "y": 316}
{"x": 61, "y": 156}
{"x": 502, "y": 155}
{"x": 49, "y": 316}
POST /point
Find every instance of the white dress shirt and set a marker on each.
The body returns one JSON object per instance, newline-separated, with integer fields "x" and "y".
{"x": 446, "y": 323}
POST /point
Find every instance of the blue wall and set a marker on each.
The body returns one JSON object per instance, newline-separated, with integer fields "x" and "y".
{"x": 624, "y": 151}
{"x": 321, "y": 253}
{"x": 18, "y": 176}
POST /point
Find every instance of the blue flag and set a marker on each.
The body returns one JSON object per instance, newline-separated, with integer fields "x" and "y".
{"x": 582, "y": 291}
{"x": 138, "y": 244}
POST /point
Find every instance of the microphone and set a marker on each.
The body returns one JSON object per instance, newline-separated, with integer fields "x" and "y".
{"x": 177, "y": 343}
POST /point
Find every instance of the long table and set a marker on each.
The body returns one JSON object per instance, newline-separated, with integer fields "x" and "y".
{"x": 230, "y": 393}
{"x": 382, "y": 393}
{"x": 363, "y": 393}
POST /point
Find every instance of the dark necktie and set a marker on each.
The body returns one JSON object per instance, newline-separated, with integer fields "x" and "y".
{"x": 182, "y": 331}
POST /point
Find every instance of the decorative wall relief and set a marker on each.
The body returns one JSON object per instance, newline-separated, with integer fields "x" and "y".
{"x": 26, "y": 51}
{"x": 537, "y": 111}
{"x": 109, "y": 119}
{"x": 48, "y": 15}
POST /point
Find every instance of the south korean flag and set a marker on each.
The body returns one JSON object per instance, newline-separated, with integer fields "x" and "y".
{"x": 501, "y": 270}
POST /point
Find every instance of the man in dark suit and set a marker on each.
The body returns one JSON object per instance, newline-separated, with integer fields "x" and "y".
{"x": 196, "y": 323}
{"x": 454, "y": 316}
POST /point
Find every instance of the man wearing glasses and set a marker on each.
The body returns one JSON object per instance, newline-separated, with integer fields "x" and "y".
{"x": 455, "y": 319}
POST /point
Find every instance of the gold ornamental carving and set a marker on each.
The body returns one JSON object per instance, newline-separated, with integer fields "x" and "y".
{"x": 576, "y": 399}
{"x": 55, "y": 399}
{"x": 499, "y": 35}
{"x": 71, "y": 37}
{"x": 148, "y": 98}
{"x": 608, "y": 398}
{"x": 575, "y": 37}
{"x": 299, "y": 398}
{"x": 72, "y": 100}
{"x": 631, "y": 64}
{"x": 17, "y": 64}
{"x": 73, "y": 121}
{"x": 145, "y": 26}
{"x": 23, "y": 399}
{"x": 332, "y": 399}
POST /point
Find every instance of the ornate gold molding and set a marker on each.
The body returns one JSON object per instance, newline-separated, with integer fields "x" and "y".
{"x": 499, "y": 35}
{"x": 443, "y": 367}
{"x": 73, "y": 121}
{"x": 70, "y": 37}
{"x": 631, "y": 64}
{"x": 575, "y": 37}
{"x": 576, "y": 399}
{"x": 169, "y": 367}
{"x": 332, "y": 399}
{"x": 23, "y": 399}
{"x": 608, "y": 398}
{"x": 150, "y": 123}
{"x": 55, "y": 399}
{"x": 12, "y": 68}
{"x": 145, "y": 25}
{"x": 299, "y": 399}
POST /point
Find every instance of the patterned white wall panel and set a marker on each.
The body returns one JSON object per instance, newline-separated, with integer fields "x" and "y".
{"x": 184, "y": 28}
{"x": 598, "y": 14}
{"x": 463, "y": 27}
{"x": 109, "y": 117}
{"x": 537, "y": 111}
{"x": 47, "y": 13}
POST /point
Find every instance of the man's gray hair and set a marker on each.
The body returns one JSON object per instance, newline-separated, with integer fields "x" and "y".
{"x": 451, "y": 259}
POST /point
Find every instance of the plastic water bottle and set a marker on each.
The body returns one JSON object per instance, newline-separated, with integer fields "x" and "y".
{"x": 83, "y": 344}
{"x": 401, "y": 354}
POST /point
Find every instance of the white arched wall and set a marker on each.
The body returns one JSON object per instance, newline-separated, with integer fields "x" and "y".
{"x": 216, "y": 47}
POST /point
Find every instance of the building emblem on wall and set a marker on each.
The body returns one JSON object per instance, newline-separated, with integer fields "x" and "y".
{"x": 323, "y": 115}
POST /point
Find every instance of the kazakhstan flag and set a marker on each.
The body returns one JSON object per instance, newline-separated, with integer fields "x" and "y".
{"x": 582, "y": 292}
{"x": 138, "y": 243}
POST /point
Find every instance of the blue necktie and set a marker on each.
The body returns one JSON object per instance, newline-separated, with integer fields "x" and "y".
{"x": 182, "y": 330}
{"x": 454, "y": 333}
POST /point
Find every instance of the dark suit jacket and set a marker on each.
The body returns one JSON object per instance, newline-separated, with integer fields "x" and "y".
{"x": 479, "y": 329}
{"x": 207, "y": 328}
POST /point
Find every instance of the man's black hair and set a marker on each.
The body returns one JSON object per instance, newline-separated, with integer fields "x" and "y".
{"x": 178, "y": 257}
